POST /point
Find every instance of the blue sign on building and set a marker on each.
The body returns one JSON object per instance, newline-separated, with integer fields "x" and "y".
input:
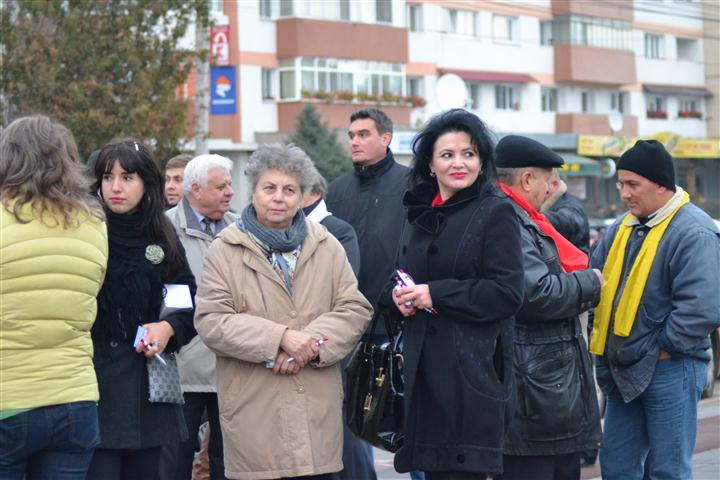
{"x": 223, "y": 91}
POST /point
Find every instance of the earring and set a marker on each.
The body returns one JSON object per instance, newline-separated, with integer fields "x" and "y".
{"x": 432, "y": 174}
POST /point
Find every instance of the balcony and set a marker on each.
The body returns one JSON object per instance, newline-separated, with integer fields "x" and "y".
{"x": 593, "y": 124}
{"x": 615, "y": 9}
{"x": 337, "y": 115}
{"x": 302, "y": 37}
{"x": 581, "y": 64}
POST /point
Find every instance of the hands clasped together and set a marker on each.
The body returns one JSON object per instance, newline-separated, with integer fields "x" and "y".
{"x": 297, "y": 349}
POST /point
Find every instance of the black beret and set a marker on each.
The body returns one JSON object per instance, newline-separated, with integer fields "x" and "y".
{"x": 515, "y": 151}
{"x": 649, "y": 159}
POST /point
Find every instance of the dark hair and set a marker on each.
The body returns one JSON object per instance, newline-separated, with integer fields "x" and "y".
{"x": 455, "y": 120}
{"x": 383, "y": 124}
{"x": 178, "y": 161}
{"x": 134, "y": 157}
{"x": 39, "y": 166}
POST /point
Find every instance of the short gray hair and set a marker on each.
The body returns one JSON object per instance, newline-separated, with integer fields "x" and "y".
{"x": 319, "y": 184}
{"x": 289, "y": 159}
{"x": 196, "y": 171}
{"x": 510, "y": 176}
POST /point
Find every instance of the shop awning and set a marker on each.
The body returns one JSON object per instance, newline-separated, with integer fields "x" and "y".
{"x": 491, "y": 77}
{"x": 578, "y": 166}
{"x": 677, "y": 91}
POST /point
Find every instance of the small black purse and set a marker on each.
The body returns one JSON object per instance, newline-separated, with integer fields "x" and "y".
{"x": 375, "y": 390}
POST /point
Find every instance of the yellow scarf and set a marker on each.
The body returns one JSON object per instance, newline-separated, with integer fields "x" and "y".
{"x": 612, "y": 270}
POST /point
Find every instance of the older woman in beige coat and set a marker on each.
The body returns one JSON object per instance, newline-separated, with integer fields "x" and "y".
{"x": 279, "y": 305}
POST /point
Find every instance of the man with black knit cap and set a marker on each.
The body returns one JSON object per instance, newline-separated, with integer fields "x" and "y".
{"x": 660, "y": 301}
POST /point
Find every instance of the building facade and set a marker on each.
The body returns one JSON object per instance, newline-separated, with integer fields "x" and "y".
{"x": 559, "y": 69}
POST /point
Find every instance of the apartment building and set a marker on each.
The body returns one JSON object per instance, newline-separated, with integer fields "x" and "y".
{"x": 554, "y": 69}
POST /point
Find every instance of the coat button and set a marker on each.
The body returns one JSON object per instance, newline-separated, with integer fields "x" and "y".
{"x": 432, "y": 331}
{"x": 461, "y": 458}
{"x": 433, "y": 249}
{"x": 293, "y": 314}
{"x": 113, "y": 344}
{"x": 301, "y": 389}
{"x": 640, "y": 233}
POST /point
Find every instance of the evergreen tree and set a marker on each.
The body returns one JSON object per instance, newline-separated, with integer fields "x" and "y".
{"x": 321, "y": 144}
{"x": 104, "y": 68}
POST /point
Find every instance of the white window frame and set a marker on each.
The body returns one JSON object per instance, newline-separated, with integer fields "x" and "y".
{"x": 267, "y": 84}
{"x": 654, "y": 46}
{"x": 474, "y": 95}
{"x": 507, "y": 97}
{"x": 618, "y": 102}
{"x": 510, "y": 29}
{"x": 546, "y": 28}
{"x": 383, "y": 6}
{"x": 461, "y": 22}
{"x": 548, "y": 97}
{"x": 414, "y": 17}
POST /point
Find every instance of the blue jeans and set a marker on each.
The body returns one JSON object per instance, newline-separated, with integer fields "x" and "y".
{"x": 660, "y": 425}
{"x": 55, "y": 442}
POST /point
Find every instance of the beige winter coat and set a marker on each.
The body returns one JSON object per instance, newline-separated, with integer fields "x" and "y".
{"x": 274, "y": 425}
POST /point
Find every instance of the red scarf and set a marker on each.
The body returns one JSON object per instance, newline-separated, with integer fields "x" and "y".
{"x": 571, "y": 257}
{"x": 437, "y": 201}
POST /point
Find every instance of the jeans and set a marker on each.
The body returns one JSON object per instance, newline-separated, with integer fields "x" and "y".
{"x": 54, "y": 442}
{"x": 658, "y": 426}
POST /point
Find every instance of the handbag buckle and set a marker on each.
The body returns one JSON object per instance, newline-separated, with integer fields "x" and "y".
{"x": 368, "y": 401}
{"x": 380, "y": 379}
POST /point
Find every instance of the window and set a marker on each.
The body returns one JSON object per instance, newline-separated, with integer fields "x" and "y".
{"x": 689, "y": 108}
{"x": 319, "y": 77}
{"x": 265, "y": 8}
{"x": 592, "y": 31}
{"x": 587, "y": 102}
{"x": 414, "y": 18}
{"x": 617, "y": 102}
{"x": 506, "y": 97}
{"x": 504, "y": 28}
{"x": 654, "y": 46}
{"x": 461, "y": 22}
{"x": 216, "y": 6}
{"x": 383, "y": 11}
{"x": 549, "y": 98}
{"x": 344, "y": 9}
{"x": 268, "y": 87}
{"x": 656, "y": 107}
{"x": 414, "y": 87}
{"x": 687, "y": 49}
{"x": 286, "y": 8}
{"x": 473, "y": 89}
{"x": 546, "y": 33}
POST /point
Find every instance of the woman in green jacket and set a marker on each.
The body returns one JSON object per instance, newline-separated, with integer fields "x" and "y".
{"x": 53, "y": 255}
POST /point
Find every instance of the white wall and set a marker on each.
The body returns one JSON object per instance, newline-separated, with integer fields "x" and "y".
{"x": 255, "y": 34}
{"x": 257, "y": 115}
{"x": 670, "y": 12}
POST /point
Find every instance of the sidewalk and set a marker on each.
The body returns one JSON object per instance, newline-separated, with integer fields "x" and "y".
{"x": 706, "y": 459}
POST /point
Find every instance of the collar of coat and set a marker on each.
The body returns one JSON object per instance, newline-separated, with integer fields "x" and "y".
{"x": 183, "y": 216}
{"x": 234, "y": 236}
{"x": 422, "y": 214}
{"x": 367, "y": 172}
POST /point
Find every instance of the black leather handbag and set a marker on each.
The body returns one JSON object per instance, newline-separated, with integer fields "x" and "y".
{"x": 375, "y": 390}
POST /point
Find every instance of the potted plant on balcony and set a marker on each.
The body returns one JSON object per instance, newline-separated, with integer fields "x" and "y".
{"x": 656, "y": 114}
{"x": 416, "y": 101}
{"x": 345, "y": 96}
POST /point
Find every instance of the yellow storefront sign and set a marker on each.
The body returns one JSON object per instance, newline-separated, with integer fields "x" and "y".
{"x": 679, "y": 147}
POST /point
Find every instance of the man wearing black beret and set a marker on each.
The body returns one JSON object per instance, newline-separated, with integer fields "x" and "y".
{"x": 661, "y": 299}
{"x": 556, "y": 413}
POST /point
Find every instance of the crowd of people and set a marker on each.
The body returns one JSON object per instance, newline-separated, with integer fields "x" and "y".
{"x": 150, "y": 331}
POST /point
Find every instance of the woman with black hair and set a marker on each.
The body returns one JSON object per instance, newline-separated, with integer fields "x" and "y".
{"x": 145, "y": 254}
{"x": 462, "y": 247}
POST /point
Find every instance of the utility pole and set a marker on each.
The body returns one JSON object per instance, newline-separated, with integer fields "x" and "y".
{"x": 202, "y": 84}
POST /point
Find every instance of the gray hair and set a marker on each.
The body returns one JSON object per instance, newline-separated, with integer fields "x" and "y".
{"x": 196, "y": 171}
{"x": 289, "y": 159}
{"x": 510, "y": 176}
{"x": 319, "y": 184}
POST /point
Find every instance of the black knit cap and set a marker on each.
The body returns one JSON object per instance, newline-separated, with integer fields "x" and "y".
{"x": 649, "y": 159}
{"x": 514, "y": 151}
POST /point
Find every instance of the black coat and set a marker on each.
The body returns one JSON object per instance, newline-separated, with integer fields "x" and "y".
{"x": 458, "y": 378}
{"x": 568, "y": 218}
{"x": 370, "y": 200}
{"x": 127, "y": 419}
{"x": 556, "y": 409}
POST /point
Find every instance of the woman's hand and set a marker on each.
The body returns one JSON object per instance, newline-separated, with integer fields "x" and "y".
{"x": 404, "y": 310}
{"x": 299, "y": 345}
{"x": 157, "y": 338}
{"x": 418, "y": 296}
{"x": 284, "y": 365}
